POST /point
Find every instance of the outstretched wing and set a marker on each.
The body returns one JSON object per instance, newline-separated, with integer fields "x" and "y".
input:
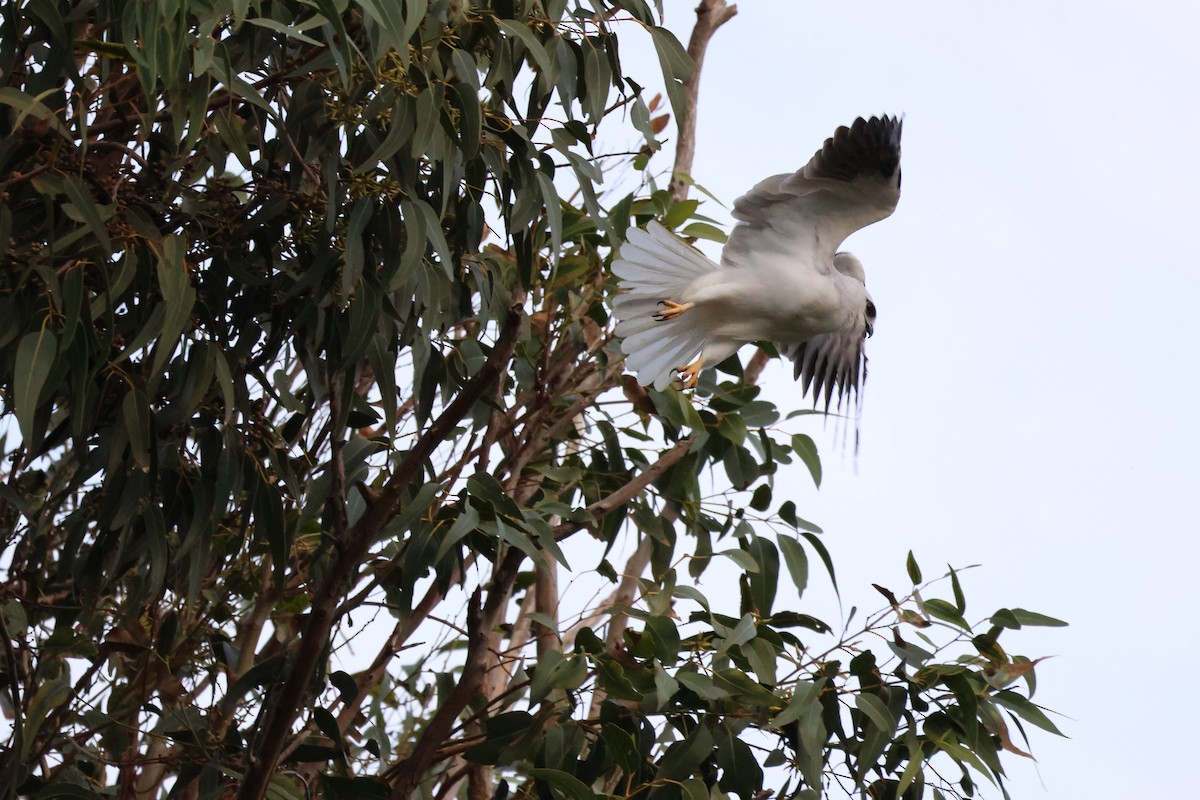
{"x": 851, "y": 182}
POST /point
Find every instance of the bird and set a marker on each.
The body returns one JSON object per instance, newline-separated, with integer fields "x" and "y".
{"x": 781, "y": 277}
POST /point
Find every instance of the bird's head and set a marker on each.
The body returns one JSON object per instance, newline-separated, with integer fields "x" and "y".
{"x": 869, "y": 318}
{"x": 849, "y": 265}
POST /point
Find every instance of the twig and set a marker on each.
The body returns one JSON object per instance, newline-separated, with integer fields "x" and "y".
{"x": 280, "y": 711}
{"x": 480, "y": 622}
{"x": 604, "y": 507}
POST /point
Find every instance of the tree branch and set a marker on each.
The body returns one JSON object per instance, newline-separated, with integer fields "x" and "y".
{"x": 480, "y": 622}
{"x": 604, "y": 507}
{"x": 280, "y": 712}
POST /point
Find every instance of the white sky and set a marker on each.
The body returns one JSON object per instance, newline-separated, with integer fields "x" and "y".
{"x": 1033, "y": 377}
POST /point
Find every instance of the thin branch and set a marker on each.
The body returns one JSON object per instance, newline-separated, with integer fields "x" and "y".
{"x": 280, "y": 712}
{"x": 250, "y": 626}
{"x": 480, "y": 622}
{"x": 604, "y": 507}
{"x": 620, "y": 597}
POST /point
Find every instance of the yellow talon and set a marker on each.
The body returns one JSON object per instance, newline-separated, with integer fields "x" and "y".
{"x": 689, "y": 375}
{"x": 671, "y": 310}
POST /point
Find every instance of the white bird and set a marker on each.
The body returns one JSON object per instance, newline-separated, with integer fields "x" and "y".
{"x": 780, "y": 279}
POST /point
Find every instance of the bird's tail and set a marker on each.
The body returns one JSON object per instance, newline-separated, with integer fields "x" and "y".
{"x": 656, "y": 265}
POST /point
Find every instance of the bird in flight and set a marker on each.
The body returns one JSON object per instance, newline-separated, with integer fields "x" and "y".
{"x": 781, "y": 278}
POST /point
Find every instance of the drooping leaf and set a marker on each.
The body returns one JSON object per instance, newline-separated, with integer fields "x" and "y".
{"x": 35, "y": 358}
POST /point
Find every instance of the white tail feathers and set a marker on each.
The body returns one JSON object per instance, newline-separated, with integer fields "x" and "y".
{"x": 655, "y": 265}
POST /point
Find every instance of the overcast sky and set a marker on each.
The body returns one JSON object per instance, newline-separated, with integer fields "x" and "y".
{"x": 1033, "y": 382}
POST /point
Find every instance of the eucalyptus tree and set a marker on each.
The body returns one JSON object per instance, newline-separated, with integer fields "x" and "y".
{"x": 315, "y": 422}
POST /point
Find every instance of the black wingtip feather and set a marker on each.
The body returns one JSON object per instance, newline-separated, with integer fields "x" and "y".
{"x": 867, "y": 147}
{"x": 829, "y": 366}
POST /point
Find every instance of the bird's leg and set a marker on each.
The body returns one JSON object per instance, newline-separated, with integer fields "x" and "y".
{"x": 671, "y": 310}
{"x": 690, "y": 373}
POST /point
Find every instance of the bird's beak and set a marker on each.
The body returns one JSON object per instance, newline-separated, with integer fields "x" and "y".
{"x": 869, "y": 331}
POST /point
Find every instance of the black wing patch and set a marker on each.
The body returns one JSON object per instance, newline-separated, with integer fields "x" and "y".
{"x": 866, "y": 148}
{"x": 832, "y": 364}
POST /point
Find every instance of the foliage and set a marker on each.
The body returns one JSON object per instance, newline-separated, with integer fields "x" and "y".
{"x": 306, "y": 353}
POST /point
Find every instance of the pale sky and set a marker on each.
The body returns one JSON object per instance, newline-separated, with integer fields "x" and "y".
{"x": 1033, "y": 377}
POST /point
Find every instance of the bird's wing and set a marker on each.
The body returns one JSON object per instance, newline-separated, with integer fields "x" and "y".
{"x": 830, "y": 364}
{"x": 851, "y": 182}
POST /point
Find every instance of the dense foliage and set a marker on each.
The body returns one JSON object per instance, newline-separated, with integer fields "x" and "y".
{"x": 310, "y": 392}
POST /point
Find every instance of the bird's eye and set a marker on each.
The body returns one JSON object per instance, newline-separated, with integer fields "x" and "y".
{"x": 870, "y": 310}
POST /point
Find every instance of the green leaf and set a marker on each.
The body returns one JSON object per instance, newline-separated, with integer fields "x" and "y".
{"x": 804, "y": 695}
{"x": 913, "y": 769}
{"x": 692, "y": 593}
{"x": 667, "y": 642}
{"x": 536, "y": 50}
{"x": 32, "y": 106}
{"x": 702, "y": 230}
{"x": 791, "y": 619}
{"x": 87, "y": 211}
{"x": 398, "y": 27}
{"x": 1025, "y": 709}
{"x": 740, "y": 466}
{"x": 344, "y": 683}
{"x": 744, "y": 631}
{"x": 732, "y": 427}
{"x": 701, "y": 684}
{"x": 819, "y": 546}
{"x": 290, "y": 31}
{"x": 946, "y": 612}
{"x": 679, "y": 212}
{"x": 1018, "y": 617}
{"x": 787, "y": 512}
{"x": 765, "y": 582}
{"x": 553, "y": 213}
{"x": 502, "y": 730}
{"x": 676, "y": 66}
{"x": 796, "y": 560}
{"x": 35, "y": 357}
{"x": 426, "y": 115}
{"x": 683, "y": 758}
{"x": 761, "y": 500}
{"x": 876, "y": 711}
{"x": 225, "y": 381}
{"x": 565, "y": 785}
{"x": 740, "y": 771}
{"x": 742, "y": 559}
{"x": 914, "y": 571}
{"x": 1037, "y": 620}
{"x": 693, "y": 789}
{"x": 742, "y": 688}
{"x": 49, "y": 695}
{"x": 470, "y": 122}
{"x": 963, "y": 755}
{"x": 806, "y": 449}
{"x": 960, "y": 600}
{"x": 179, "y": 298}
